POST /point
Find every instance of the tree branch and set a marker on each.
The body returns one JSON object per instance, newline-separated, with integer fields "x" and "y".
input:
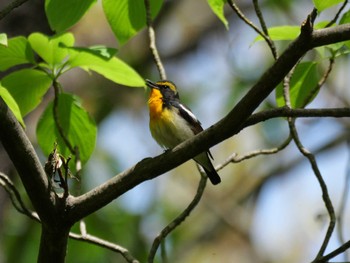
{"x": 235, "y": 158}
{"x": 325, "y": 195}
{"x": 264, "y": 28}
{"x": 150, "y": 168}
{"x": 27, "y": 163}
{"x": 16, "y": 198}
{"x": 334, "y": 20}
{"x": 8, "y": 9}
{"x": 296, "y": 113}
{"x": 264, "y": 33}
{"x": 105, "y": 244}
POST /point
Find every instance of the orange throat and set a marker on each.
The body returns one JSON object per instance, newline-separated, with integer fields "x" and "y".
{"x": 155, "y": 104}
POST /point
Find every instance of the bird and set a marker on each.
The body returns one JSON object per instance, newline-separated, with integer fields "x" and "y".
{"x": 172, "y": 123}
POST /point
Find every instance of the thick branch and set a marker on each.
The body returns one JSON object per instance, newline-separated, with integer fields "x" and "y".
{"x": 24, "y": 158}
{"x": 150, "y": 168}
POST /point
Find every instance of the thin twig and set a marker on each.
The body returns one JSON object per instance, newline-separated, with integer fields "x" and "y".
{"x": 105, "y": 244}
{"x": 15, "y": 197}
{"x": 269, "y": 41}
{"x": 325, "y": 194}
{"x": 11, "y": 6}
{"x": 234, "y": 158}
{"x": 253, "y": 26}
{"x": 152, "y": 39}
{"x": 286, "y": 86}
{"x": 296, "y": 113}
{"x": 179, "y": 219}
{"x": 334, "y": 20}
{"x": 306, "y": 28}
{"x": 334, "y": 253}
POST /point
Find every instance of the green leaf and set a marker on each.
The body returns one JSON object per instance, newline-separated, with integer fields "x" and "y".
{"x": 344, "y": 20}
{"x": 100, "y": 51}
{"x": 287, "y": 32}
{"x": 62, "y": 14}
{"x": 302, "y": 86}
{"x": 78, "y": 127}
{"x": 27, "y": 87}
{"x": 113, "y": 69}
{"x": 3, "y": 39}
{"x": 217, "y": 6}
{"x": 324, "y": 4}
{"x": 11, "y": 103}
{"x": 49, "y": 48}
{"x": 16, "y": 52}
{"x": 127, "y": 17}
{"x": 281, "y": 33}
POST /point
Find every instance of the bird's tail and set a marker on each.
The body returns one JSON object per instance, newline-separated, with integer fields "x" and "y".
{"x": 204, "y": 161}
{"x": 213, "y": 176}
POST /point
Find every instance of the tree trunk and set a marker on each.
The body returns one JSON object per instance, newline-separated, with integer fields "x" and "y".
{"x": 53, "y": 243}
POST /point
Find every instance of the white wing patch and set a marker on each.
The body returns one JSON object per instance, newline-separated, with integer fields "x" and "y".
{"x": 189, "y": 113}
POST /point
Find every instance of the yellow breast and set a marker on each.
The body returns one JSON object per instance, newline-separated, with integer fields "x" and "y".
{"x": 155, "y": 104}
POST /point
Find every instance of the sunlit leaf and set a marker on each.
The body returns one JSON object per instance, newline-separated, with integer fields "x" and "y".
{"x": 100, "y": 51}
{"x": 49, "y": 48}
{"x": 3, "y": 39}
{"x": 281, "y": 33}
{"x": 62, "y": 14}
{"x": 78, "y": 127}
{"x": 217, "y": 6}
{"x": 113, "y": 69}
{"x": 127, "y": 17}
{"x": 302, "y": 85}
{"x": 324, "y": 4}
{"x": 287, "y": 32}
{"x": 16, "y": 52}
{"x": 11, "y": 103}
{"x": 27, "y": 87}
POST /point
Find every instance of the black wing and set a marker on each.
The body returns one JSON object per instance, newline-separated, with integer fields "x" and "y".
{"x": 187, "y": 114}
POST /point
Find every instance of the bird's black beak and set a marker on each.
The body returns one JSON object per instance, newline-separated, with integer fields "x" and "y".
{"x": 151, "y": 84}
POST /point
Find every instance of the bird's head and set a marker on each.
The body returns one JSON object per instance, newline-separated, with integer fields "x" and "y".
{"x": 165, "y": 87}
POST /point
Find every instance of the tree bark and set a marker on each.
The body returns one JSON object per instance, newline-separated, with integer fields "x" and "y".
{"x": 53, "y": 243}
